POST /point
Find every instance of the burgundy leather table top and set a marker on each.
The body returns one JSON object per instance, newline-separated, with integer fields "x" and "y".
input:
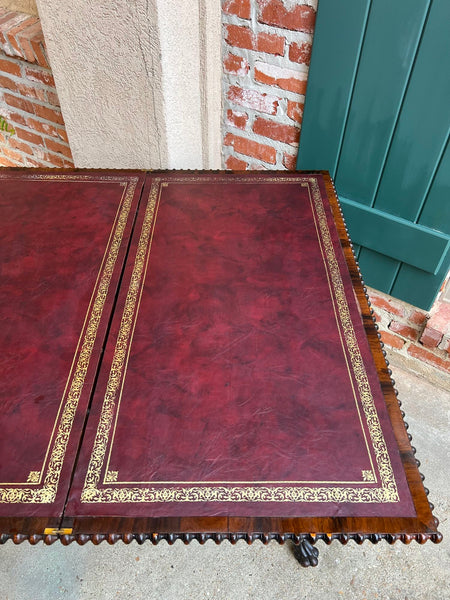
{"x": 237, "y": 379}
{"x": 63, "y": 242}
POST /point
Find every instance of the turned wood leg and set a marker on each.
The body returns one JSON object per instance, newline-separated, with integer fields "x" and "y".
{"x": 306, "y": 554}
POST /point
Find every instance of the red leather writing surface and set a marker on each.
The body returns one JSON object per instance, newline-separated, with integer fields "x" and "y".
{"x": 63, "y": 243}
{"x": 237, "y": 378}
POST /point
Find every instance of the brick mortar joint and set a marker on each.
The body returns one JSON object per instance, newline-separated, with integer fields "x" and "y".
{"x": 280, "y": 94}
{"x": 408, "y": 342}
{"x": 45, "y": 138}
{"x": 230, "y": 151}
{"x": 387, "y": 319}
{"x": 253, "y": 56}
{"x": 251, "y": 136}
{"x": 438, "y": 352}
{"x": 33, "y": 100}
{"x": 14, "y": 59}
{"x": 406, "y": 322}
{"x": 40, "y": 149}
{"x": 247, "y": 81}
{"x": 41, "y": 120}
{"x": 11, "y": 51}
{"x": 290, "y": 35}
{"x": 24, "y": 80}
{"x": 280, "y": 118}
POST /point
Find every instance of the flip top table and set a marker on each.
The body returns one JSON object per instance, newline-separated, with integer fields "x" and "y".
{"x": 192, "y": 355}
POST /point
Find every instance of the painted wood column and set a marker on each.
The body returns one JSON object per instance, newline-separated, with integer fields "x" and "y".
{"x": 139, "y": 83}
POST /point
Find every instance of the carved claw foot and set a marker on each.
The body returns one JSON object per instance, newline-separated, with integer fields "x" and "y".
{"x": 306, "y": 554}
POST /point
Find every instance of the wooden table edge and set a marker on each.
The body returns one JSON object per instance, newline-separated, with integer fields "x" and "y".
{"x": 264, "y": 529}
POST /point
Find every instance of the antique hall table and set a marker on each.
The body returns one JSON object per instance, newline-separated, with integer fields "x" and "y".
{"x": 191, "y": 355}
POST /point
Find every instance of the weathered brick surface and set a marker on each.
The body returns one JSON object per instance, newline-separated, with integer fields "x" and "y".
{"x": 259, "y": 101}
{"x": 418, "y": 317}
{"x": 286, "y": 79}
{"x": 376, "y": 316}
{"x": 239, "y": 36}
{"x": 40, "y": 75}
{"x": 13, "y": 34}
{"x": 289, "y": 161}
{"x": 240, "y": 8}
{"x": 29, "y": 136}
{"x": 59, "y": 147}
{"x": 52, "y": 98}
{"x": 297, "y": 17}
{"x": 300, "y": 53}
{"x": 29, "y": 40}
{"x": 47, "y": 128}
{"x": 236, "y": 65}
{"x": 409, "y": 330}
{"x": 235, "y": 164}
{"x": 21, "y": 36}
{"x": 12, "y": 155}
{"x": 441, "y": 362}
{"x": 445, "y": 344}
{"x": 270, "y": 42}
{"x": 7, "y": 83}
{"x": 19, "y": 102}
{"x": 18, "y": 145}
{"x": 251, "y": 148}
{"x": 243, "y": 37}
{"x": 276, "y": 131}
{"x": 386, "y": 303}
{"x": 9, "y": 66}
{"x": 295, "y": 110}
{"x": 32, "y": 92}
{"x": 237, "y": 119}
{"x": 431, "y": 337}
{"x": 394, "y": 341}
{"x": 404, "y": 330}
{"x": 28, "y": 98}
{"x": 14, "y": 117}
{"x": 5, "y": 162}
{"x": 49, "y": 114}
{"x": 440, "y": 318}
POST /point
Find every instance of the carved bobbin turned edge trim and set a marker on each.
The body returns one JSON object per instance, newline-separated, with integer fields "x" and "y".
{"x": 218, "y": 538}
{"x": 438, "y": 535}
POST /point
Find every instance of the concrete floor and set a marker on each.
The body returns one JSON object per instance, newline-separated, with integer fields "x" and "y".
{"x": 236, "y": 572}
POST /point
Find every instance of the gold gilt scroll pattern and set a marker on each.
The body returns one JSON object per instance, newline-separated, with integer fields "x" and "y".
{"x": 47, "y": 493}
{"x": 120, "y": 352}
{"x": 389, "y": 486}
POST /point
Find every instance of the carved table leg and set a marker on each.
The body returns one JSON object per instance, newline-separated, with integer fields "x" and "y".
{"x": 306, "y": 554}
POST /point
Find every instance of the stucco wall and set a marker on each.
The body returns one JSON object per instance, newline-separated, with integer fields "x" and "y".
{"x": 132, "y": 81}
{"x": 26, "y": 6}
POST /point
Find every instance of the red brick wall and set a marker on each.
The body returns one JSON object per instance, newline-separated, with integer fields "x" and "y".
{"x": 412, "y": 332}
{"x": 28, "y": 100}
{"x": 266, "y": 52}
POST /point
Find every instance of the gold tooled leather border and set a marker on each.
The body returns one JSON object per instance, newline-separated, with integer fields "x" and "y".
{"x": 185, "y": 492}
{"x": 75, "y": 381}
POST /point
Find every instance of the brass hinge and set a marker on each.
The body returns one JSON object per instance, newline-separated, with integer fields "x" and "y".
{"x": 54, "y": 531}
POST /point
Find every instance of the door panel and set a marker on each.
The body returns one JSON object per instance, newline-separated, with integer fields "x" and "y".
{"x": 422, "y": 127}
{"x": 377, "y": 116}
{"x": 331, "y": 102}
{"x": 378, "y": 270}
{"x": 383, "y": 72}
{"x": 436, "y": 212}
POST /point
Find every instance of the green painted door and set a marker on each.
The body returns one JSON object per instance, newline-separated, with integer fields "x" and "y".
{"x": 377, "y": 116}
